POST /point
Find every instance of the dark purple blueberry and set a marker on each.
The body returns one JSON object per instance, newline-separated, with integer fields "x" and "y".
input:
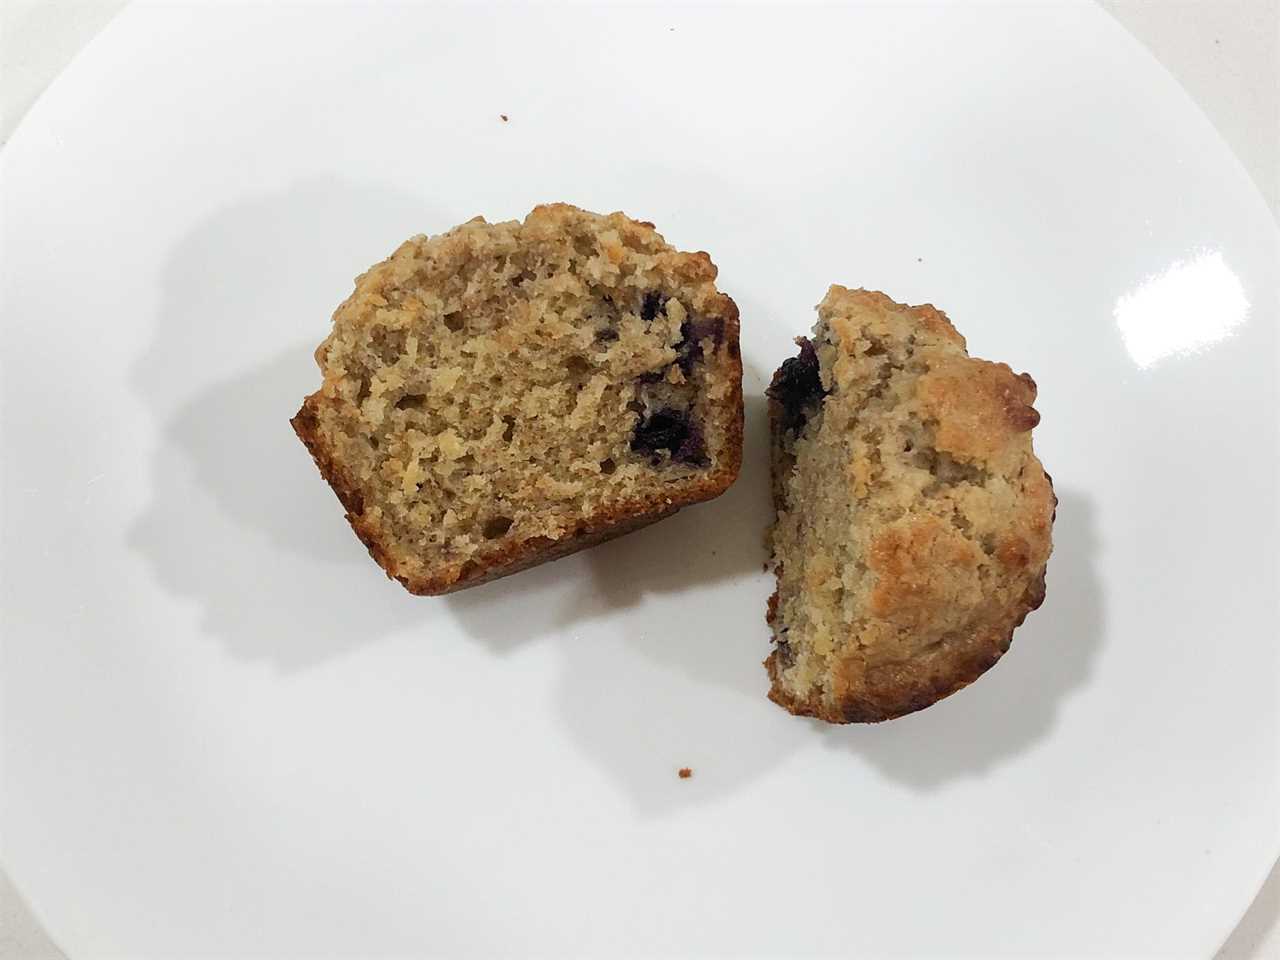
{"x": 652, "y": 305}
{"x": 692, "y": 332}
{"x": 797, "y": 387}
{"x": 664, "y": 429}
{"x": 671, "y": 430}
{"x": 704, "y": 329}
{"x": 693, "y": 449}
{"x": 786, "y": 656}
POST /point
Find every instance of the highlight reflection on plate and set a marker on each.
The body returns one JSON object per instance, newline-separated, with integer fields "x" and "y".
{"x": 1190, "y": 305}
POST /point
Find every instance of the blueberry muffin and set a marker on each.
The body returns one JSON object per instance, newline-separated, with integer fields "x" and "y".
{"x": 913, "y": 519}
{"x": 505, "y": 394}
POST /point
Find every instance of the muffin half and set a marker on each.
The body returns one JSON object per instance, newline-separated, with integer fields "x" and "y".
{"x": 506, "y": 394}
{"x": 913, "y": 519}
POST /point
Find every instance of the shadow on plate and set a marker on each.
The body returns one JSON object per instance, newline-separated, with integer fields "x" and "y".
{"x": 238, "y": 520}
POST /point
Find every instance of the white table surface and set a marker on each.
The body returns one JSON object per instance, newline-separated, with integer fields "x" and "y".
{"x": 1226, "y": 53}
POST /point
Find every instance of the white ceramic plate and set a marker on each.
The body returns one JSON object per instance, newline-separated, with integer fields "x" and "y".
{"x": 224, "y": 732}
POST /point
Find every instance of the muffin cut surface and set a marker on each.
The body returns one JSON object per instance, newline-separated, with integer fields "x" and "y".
{"x": 509, "y": 393}
{"x": 913, "y": 519}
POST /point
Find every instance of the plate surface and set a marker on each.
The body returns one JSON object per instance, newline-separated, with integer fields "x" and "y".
{"x": 225, "y": 732}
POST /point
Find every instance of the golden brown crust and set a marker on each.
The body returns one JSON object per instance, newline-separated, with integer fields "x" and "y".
{"x": 396, "y": 297}
{"x": 896, "y": 692}
{"x": 913, "y": 517}
{"x": 978, "y": 406}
